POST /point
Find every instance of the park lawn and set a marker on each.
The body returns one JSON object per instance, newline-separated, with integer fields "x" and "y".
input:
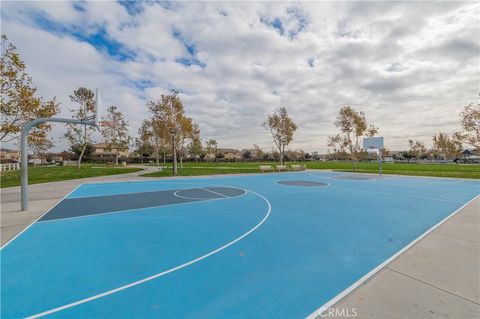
{"x": 198, "y": 171}
{"x": 45, "y": 174}
{"x": 416, "y": 169}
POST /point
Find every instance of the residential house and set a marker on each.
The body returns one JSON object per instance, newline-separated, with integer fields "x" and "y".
{"x": 109, "y": 150}
{"x": 8, "y": 155}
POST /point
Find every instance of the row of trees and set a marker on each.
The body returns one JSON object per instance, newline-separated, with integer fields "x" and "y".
{"x": 168, "y": 125}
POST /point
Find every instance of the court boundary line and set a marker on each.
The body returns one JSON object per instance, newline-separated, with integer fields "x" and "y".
{"x": 453, "y": 180}
{"x": 322, "y": 309}
{"x": 39, "y": 217}
{"x": 193, "y": 200}
{"x": 395, "y": 194}
{"x": 277, "y": 182}
{"x": 163, "y": 273}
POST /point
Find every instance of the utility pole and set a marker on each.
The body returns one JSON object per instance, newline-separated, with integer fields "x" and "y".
{"x": 174, "y": 153}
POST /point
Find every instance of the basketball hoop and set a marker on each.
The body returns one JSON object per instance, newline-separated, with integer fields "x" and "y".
{"x": 374, "y": 145}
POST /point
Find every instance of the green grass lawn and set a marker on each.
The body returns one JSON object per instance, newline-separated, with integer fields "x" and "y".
{"x": 439, "y": 170}
{"x": 45, "y": 174}
{"x": 189, "y": 170}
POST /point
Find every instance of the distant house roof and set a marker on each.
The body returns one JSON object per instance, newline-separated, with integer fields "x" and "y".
{"x": 9, "y": 150}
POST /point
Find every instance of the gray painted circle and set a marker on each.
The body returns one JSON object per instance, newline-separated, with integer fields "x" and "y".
{"x": 302, "y": 183}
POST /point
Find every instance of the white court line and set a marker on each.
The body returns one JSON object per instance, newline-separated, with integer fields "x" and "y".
{"x": 321, "y": 186}
{"x": 205, "y": 189}
{"x": 395, "y": 194}
{"x": 35, "y": 221}
{"x": 163, "y": 273}
{"x": 427, "y": 179}
{"x": 341, "y": 295}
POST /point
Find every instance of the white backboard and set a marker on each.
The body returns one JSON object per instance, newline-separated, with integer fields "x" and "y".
{"x": 373, "y": 143}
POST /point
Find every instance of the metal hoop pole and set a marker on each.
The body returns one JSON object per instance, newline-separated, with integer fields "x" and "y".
{"x": 24, "y": 150}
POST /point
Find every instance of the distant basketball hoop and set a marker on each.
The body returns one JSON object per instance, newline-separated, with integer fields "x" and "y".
{"x": 374, "y": 145}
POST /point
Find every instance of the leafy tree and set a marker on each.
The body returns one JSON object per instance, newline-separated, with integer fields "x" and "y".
{"x": 450, "y": 147}
{"x": 353, "y": 126}
{"x": 196, "y": 148}
{"x": 168, "y": 115}
{"x": 39, "y": 144}
{"x": 212, "y": 148}
{"x": 188, "y": 132}
{"x": 81, "y": 134}
{"x": 282, "y": 127}
{"x": 417, "y": 148}
{"x": 19, "y": 103}
{"x": 470, "y": 121}
{"x": 115, "y": 130}
{"x": 142, "y": 148}
{"x": 274, "y": 155}
{"x": 88, "y": 149}
{"x": 247, "y": 154}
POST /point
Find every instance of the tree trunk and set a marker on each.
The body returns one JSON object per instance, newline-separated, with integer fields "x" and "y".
{"x": 164, "y": 157}
{"x": 116, "y": 158}
{"x": 157, "y": 157}
{"x": 282, "y": 153}
{"x": 84, "y": 147}
{"x": 79, "y": 161}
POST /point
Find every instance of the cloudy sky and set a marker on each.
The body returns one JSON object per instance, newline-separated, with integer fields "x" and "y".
{"x": 410, "y": 66}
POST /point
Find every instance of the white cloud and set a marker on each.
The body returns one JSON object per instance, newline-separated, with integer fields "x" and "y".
{"x": 410, "y": 66}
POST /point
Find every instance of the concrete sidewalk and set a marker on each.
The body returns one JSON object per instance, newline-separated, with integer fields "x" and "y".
{"x": 438, "y": 277}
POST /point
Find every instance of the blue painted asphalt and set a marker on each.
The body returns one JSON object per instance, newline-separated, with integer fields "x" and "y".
{"x": 314, "y": 243}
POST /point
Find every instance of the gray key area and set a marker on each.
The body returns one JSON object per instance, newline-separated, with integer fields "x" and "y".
{"x": 76, "y": 207}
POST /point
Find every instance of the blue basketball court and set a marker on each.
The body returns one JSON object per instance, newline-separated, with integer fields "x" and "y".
{"x": 250, "y": 246}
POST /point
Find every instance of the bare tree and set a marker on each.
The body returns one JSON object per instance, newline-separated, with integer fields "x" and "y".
{"x": 282, "y": 127}
{"x": 353, "y": 126}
